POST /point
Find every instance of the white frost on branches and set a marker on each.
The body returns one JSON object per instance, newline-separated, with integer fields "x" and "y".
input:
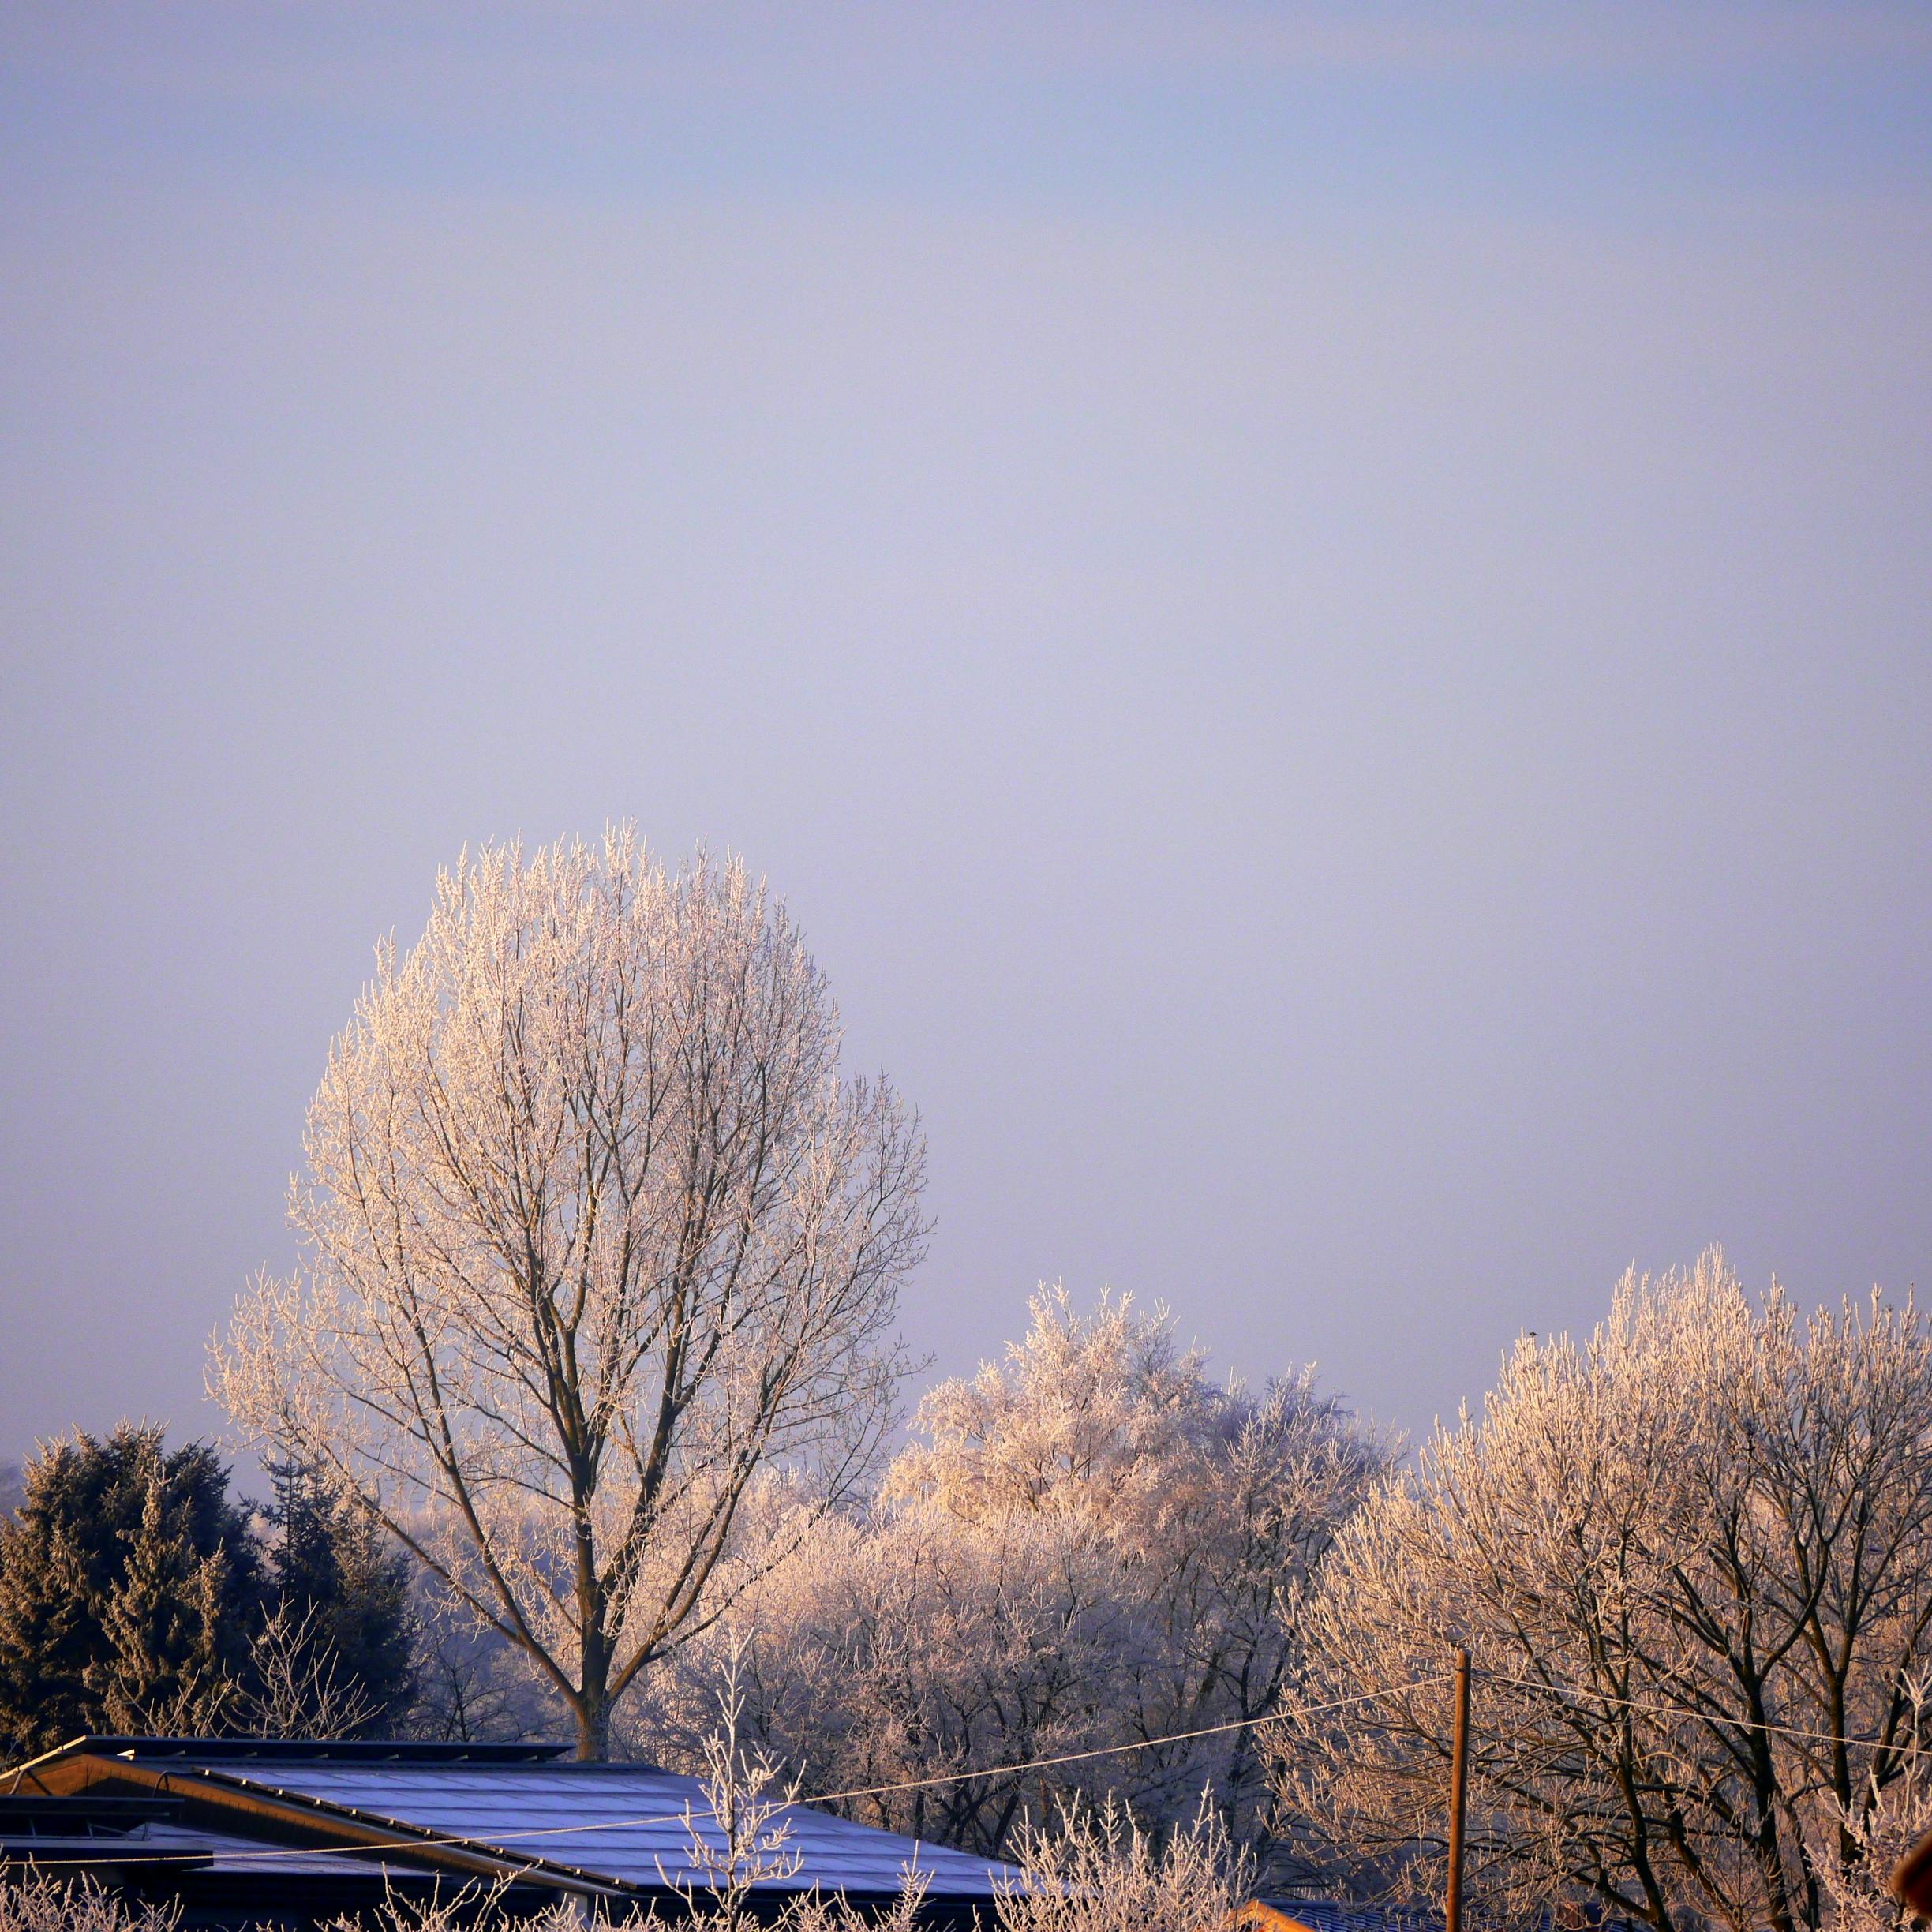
{"x": 300, "y": 1688}
{"x": 1692, "y": 1557}
{"x": 597, "y": 1231}
{"x": 1089, "y": 1544}
{"x": 1097, "y": 1871}
{"x": 741, "y": 1838}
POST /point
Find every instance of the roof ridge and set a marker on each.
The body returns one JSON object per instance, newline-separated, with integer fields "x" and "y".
{"x": 347, "y": 1750}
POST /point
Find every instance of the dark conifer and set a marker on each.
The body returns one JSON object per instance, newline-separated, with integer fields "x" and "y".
{"x": 129, "y": 1587}
{"x": 337, "y": 1584}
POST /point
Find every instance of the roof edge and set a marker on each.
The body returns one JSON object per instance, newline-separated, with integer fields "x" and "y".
{"x": 299, "y": 1818}
{"x": 338, "y": 1750}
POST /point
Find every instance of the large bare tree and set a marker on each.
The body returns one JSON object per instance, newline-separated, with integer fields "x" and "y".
{"x": 596, "y": 1232}
{"x": 1693, "y": 1558}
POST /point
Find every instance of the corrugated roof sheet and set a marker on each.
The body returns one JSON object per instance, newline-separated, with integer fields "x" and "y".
{"x": 228, "y": 1853}
{"x": 623, "y": 1822}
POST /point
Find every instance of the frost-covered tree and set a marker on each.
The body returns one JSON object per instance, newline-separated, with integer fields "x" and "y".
{"x": 1887, "y": 1820}
{"x": 1692, "y": 1557}
{"x": 1096, "y": 1869}
{"x": 1087, "y": 1416}
{"x": 1087, "y": 1545}
{"x": 1214, "y": 1505}
{"x": 597, "y": 1229}
{"x": 31, "y": 1903}
{"x": 904, "y": 1651}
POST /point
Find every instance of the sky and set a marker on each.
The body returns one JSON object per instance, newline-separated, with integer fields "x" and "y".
{"x": 1324, "y": 614}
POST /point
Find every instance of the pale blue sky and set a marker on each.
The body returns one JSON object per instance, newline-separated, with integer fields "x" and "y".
{"x": 1324, "y": 614}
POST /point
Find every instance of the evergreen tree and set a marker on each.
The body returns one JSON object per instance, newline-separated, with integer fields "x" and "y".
{"x": 342, "y": 1595}
{"x": 171, "y": 1668}
{"x": 130, "y": 1588}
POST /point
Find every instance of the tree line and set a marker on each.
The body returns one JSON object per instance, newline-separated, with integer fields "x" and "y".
{"x": 595, "y": 1332}
{"x": 138, "y": 1596}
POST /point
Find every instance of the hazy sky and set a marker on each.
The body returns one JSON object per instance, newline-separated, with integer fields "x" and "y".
{"x": 1326, "y": 617}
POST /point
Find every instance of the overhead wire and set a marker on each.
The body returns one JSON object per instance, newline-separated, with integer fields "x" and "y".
{"x": 469, "y": 1841}
{"x": 1717, "y": 1718}
{"x": 429, "y": 1841}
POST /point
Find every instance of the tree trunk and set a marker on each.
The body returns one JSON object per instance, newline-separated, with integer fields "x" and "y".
{"x": 593, "y": 1732}
{"x": 592, "y": 1706}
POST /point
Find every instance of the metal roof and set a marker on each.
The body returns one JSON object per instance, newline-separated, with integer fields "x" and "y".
{"x": 148, "y": 1834}
{"x": 628, "y": 1824}
{"x": 228, "y": 1853}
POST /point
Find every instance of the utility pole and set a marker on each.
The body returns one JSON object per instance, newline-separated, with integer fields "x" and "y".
{"x": 1458, "y": 1792}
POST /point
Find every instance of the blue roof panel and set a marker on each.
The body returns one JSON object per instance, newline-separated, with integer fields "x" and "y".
{"x": 623, "y": 1822}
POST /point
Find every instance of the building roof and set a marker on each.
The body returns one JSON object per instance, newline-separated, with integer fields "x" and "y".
{"x": 606, "y": 1829}
{"x": 147, "y": 1839}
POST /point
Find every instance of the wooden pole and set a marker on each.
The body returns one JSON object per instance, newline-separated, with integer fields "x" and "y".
{"x": 1458, "y": 1792}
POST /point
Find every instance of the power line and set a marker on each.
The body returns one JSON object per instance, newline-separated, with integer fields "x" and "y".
{"x": 268, "y": 1853}
{"x": 431, "y": 1841}
{"x": 1678, "y": 1710}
